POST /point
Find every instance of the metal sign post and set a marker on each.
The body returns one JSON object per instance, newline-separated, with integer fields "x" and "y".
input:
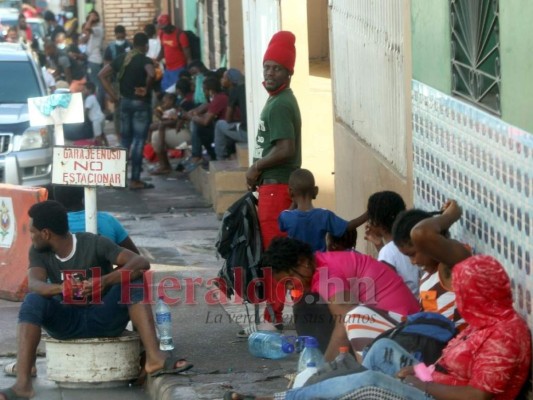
{"x": 89, "y": 167}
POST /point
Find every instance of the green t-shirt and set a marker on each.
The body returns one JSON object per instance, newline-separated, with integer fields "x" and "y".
{"x": 280, "y": 119}
{"x": 92, "y": 251}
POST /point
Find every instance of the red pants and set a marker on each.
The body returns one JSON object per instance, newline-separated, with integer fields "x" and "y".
{"x": 273, "y": 199}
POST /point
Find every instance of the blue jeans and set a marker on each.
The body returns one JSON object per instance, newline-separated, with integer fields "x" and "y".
{"x": 170, "y": 77}
{"x": 335, "y": 388}
{"x": 135, "y": 118}
{"x": 68, "y": 321}
{"x": 388, "y": 357}
{"x": 227, "y": 134}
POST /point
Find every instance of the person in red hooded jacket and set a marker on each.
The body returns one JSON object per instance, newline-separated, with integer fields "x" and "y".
{"x": 490, "y": 359}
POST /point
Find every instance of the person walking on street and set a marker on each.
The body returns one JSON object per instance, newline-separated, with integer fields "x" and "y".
{"x": 135, "y": 75}
{"x": 53, "y": 28}
{"x": 174, "y": 49}
{"x": 24, "y": 31}
{"x": 278, "y": 145}
{"x": 93, "y": 36}
{"x": 115, "y": 49}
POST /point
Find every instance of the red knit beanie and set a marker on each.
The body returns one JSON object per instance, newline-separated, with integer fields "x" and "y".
{"x": 281, "y": 50}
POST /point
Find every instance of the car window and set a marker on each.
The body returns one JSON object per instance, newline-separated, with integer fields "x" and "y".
{"x": 18, "y": 82}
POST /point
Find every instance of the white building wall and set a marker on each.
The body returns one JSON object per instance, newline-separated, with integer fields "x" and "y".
{"x": 261, "y": 19}
{"x": 367, "y": 62}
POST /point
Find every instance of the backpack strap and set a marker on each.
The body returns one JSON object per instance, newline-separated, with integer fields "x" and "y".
{"x": 179, "y": 32}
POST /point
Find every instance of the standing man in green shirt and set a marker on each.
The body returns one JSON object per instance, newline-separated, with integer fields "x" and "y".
{"x": 278, "y": 149}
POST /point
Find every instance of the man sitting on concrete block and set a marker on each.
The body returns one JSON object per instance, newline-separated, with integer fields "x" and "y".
{"x": 98, "y": 302}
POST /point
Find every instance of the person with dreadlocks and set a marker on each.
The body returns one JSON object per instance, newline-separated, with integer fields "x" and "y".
{"x": 135, "y": 75}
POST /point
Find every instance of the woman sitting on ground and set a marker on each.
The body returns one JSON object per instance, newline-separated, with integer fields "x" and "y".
{"x": 335, "y": 282}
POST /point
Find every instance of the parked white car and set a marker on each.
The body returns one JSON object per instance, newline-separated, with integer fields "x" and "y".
{"x": 25, "y": 151}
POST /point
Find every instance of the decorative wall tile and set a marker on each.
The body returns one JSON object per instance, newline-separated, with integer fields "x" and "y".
{"x": 463, "y": 153}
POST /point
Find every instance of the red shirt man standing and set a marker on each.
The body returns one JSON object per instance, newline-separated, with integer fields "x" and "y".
{"x": 174, "y": 49}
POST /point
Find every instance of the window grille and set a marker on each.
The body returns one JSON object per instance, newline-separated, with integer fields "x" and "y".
{"x": 476, "y": 73}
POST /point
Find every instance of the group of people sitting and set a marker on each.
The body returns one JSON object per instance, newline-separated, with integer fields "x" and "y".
{"x": 205, "y": 109}
{"x": 345, "y": 298}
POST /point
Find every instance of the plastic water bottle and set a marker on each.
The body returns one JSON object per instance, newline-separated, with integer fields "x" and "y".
{"x": 164, "y": 325}
{"x": 311, "y": 353}
{"x": 269, "y": 345}
{"x": 345, "y": 356}
{"x": 303, "y": 376}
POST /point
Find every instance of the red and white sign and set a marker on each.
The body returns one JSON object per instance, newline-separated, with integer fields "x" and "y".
{"x": 89, "y": 166}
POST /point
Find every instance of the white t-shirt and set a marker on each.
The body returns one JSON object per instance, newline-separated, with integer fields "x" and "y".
{"x": 169, "y": 114}
{"x": 93, "y": 109}
{"x": 410, "y": 273}
{"x": 94, "y": 45}
{"x": 154, "y": 47}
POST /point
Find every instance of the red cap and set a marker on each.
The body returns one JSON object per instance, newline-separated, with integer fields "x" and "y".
{"x": 163, "y": 20}
{"x": 281, "y": 50}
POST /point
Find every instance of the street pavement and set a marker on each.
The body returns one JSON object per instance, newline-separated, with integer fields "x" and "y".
{"x": 175, "y": 229}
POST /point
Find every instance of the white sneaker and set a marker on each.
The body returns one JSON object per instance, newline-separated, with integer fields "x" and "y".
{"x": 263, "y": 326}
{"x": 244, "y": 333}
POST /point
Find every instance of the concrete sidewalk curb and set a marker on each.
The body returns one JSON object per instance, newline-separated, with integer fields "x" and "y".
{"x": 168, "y": 387}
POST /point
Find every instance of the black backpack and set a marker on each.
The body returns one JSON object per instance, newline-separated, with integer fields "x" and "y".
{"x": 194, "y": 44}
{"x": 239, "y": 244}
{"x": 424, "y": 335}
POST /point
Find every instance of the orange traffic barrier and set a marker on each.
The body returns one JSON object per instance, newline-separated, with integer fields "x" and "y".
{"x": 15, "y": 240}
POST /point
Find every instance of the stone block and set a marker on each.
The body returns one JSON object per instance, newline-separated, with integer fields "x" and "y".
{"x": 242, "y": 154}
{"x": 201, "y": 180}
{"x": 228, "y": 176}
{"x": 223, "y": 200}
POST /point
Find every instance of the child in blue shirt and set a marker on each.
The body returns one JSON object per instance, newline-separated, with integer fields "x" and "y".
{"x": 310, "y": 224}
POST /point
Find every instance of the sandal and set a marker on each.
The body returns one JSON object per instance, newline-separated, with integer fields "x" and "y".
{"x": 11, "y": 370}
{"x": 160, "y": 171}
{"x": 144, "y": 185}
{"x": 170, "y": 367}
{"x": 9, "y": 394}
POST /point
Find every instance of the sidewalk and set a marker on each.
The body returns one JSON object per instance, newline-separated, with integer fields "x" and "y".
{"x": 175, "y": 229}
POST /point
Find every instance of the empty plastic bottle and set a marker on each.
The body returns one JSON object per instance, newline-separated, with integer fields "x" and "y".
{"x": 303, "y": 376}
{"x": 164, "y": 325}
{"x": 345, "y": 356}
{"x": 345, "y": 359}
{"x": 269, "y": 345}
{"x": 311, "y": 353}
